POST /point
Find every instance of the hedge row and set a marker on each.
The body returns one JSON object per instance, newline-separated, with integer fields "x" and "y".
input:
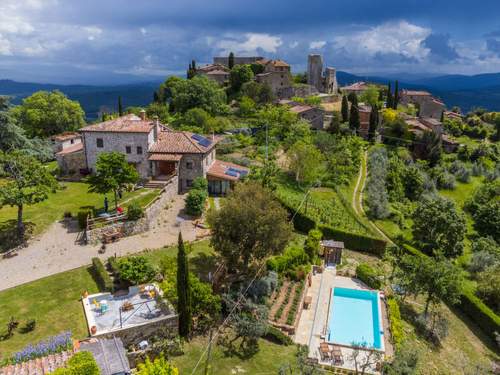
{"x": 471, "y": 305}
{"x": 395, "y": 322}
{"x": 102, "y": 277}
{"x": 353, "y": 241}
{"x": 368, "y": 275}
{"x": 275, "y": 335}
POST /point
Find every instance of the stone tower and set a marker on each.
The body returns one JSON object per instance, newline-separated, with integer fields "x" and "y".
{"x": 315, "y": 71}
{"x": 331, "y": 81}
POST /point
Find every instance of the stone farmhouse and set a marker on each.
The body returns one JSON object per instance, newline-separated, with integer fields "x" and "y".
{"x": 157, "y": 152}
{"x": 314, "y": 115}
{"x": 357, "y": 88}
{"x": 429, "y": 106}
{"x": 238, "y": 60}
{"x": 277, "y": 74}
{"x": 65, "y": 140}
{"x": 217, "y": 72}
{"x": 418, "y": 126}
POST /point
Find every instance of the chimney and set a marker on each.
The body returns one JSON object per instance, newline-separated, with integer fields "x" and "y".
{"x": 156, "y": 128}
{"x": 142, "y": 115}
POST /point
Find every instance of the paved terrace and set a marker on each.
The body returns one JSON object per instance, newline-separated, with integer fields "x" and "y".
{"x": 312, "y": 325}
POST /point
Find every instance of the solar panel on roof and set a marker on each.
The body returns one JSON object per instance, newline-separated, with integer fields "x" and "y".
{"x": 196, "y": 137}
{"x": 205, "y": 142}
{"x": 238, "y": 171}
{"x": 231, "y": 173}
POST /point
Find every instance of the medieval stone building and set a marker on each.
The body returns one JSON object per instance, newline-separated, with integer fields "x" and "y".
{"x": 324, "y": 81}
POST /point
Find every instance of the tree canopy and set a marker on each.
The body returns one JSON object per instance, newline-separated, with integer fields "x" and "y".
{"x": 438, "y": 227}
{"x": 44, "y": 114}
{"x": 112, "y": 174}
{"x": 27, "y": 182}
{"x": 250, "y": 226}
{"x": 306, "y": 162}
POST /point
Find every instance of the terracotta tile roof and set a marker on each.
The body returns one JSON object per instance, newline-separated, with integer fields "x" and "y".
{"x": 212, "y": 67}
{"x": 69, "y": 150}
{"x": 226, "y": 171}
{"x": 128, "y": 124}
{"x": 218, "y": 72}
{"x": 416, "y": 124}
{"x": 177, "y": 142}
{"x": 300, "y": 108}
{"x": 357, "y": 86}
{"x": 416, "y": 93}
{"x": 279, "y": 63}
{"x": 165, "y": 157}
{"x": 65, "y": 136}
{"x": 38, "y": 366}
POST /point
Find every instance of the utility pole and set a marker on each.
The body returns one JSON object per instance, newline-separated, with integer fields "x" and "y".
{"x": 207, "y": 362}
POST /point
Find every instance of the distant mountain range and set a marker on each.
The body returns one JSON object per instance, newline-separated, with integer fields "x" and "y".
{"x": 482, "y": 90}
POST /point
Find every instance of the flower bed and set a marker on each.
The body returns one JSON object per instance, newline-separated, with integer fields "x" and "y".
{"x": 54, "y": 344}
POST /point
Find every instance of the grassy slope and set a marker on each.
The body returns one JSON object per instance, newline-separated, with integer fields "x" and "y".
{"x": 72, "y": 198}
{"x": 55, "y": 300}
{"x": 268, "y": 360}
{"x": 52, "y": 301}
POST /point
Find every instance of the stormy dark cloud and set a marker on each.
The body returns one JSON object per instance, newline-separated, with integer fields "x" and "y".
{"x": 117, "y": 41}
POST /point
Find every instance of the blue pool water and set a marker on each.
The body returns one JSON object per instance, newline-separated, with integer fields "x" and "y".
{"x": 354, "y": 318}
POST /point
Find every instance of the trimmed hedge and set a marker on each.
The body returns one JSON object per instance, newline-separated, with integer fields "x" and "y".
{"x": 275, "y": 335}
{"x": 367, "y": 274}
{"x": 471, "y": 305}
{"x": 102, "y": 277}
{"x": 479, "y": 313}
{"x": 352, "y": 241}
{"x": 397, "y": 333}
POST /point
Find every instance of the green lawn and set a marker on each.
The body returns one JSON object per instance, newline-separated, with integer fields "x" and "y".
{"x": 55, "y": 300}
{"x": 73, "y": 197}
{"x": 267, "y": 360}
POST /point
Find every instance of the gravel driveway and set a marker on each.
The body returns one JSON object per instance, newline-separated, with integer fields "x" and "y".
{"x": 58, "y": 250}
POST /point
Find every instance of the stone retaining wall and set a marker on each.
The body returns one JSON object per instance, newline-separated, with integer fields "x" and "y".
{"x": 151, "y": 213}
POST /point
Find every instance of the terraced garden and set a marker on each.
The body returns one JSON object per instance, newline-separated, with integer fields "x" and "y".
{"x": 285, "y": 302}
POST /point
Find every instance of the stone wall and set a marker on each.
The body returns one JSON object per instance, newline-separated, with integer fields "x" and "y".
{"x": 118, "y": 142}
{"x": 72, "y": 162}
{"x": 304, "y": 91}
{"x": 168, "y": 325}
{"x": 200, "y": 163}
{"x": 130, "y": 228}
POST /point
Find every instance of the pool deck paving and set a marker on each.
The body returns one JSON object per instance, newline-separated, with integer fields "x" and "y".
{"x": 311, "y": 328}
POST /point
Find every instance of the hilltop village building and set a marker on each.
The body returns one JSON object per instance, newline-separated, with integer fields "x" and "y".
{"x": 314, "y": 115}
{"x": 157, "y": 152}
{"x": 324, "y": 81}
{"x": 428, "y": 106}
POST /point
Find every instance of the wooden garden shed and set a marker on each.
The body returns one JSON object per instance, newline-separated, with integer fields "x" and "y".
{"x": 332, "y": 251}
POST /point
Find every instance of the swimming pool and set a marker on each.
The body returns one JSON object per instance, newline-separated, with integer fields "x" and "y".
{"x": 354, "y": 317}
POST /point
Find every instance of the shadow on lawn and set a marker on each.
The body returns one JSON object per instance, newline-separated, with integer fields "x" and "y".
{"x": 8, "y": 234}
{"x": 203, "y": 264}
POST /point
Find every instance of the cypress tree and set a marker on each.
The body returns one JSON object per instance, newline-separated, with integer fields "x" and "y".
{"x": 373, "y": 123}
{"x": 120, "y": 107}
{"x": 442, "y": 117}
{"x": 156, "y": 98}
{"x": 396, "y": 95}
{"x": 183, "y": 290}
{"x": 334, "y": 127}
{"x": 345, "y": 109}
{"x": 354, "y": 121}
{"x": 193, "y": 65}
{"x": 389, "y": 102}
{"x": 230, "y": 60}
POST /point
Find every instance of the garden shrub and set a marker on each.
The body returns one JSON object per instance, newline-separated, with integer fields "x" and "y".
{"x": 312, "y": 244}
{"x": 275, "y": 335}
{"x": 134, "y": 211}
{"x": 292, "y": 257}
{"x": 54, "y": 344}
{"x": 195, "y": 202}
{"x": 82, "y": 218}
{"x": 395, "y": 322}
{"x": 434, "y": 326}
{"x": 81, "y": 363}
{"x": 102, "y": 277}
{"x": 368, "y": 275}
{"x": 200, "y": 183}
{"x": 376, "y": 190}
{"x": 136, "y": 270}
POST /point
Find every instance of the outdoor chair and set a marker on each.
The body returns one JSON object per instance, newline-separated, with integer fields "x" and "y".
{"x": 324, "y": 350}
{"x": 338, "y": 359}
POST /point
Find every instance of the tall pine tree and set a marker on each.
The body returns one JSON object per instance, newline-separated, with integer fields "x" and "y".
{"x": 230, "y": 60}
{"x": 120, "y": 106}
{"x": 390, "y": 101}
{"x": 354, "y": 121}
{"x": 345, "y": 109}
{"x": 183, "y": 290}
{"x": 396, "y": 95}
{"x": 373, "y": 123}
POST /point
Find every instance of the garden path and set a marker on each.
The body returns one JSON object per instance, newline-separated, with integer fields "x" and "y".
{"x": 357, "y": 196}
{"x": 58, "y": 249}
